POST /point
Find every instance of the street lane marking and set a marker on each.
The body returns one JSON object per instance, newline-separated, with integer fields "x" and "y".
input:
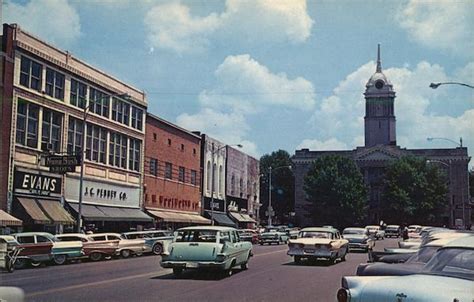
{"x": 78, "y": 286}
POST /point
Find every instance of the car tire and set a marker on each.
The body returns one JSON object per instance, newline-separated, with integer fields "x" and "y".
{"x": 95, "y": 256}
{"x": 297, "y": 259}
{"x": 177, "y": 271}
{"x": 60, "y": 259}
{"x": 34, "y": 263}
{"x": 20, "y": 263}
{"x": 125, "y": 253}
{"x": 157, "y": 249}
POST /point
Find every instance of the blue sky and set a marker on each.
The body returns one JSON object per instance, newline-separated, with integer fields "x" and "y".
{"x": 274, "y": 74}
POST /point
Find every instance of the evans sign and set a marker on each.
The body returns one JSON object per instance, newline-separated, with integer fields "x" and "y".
{"x": 36, "y": 184}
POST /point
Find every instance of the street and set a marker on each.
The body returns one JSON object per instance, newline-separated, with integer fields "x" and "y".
{"x": 272, "y": 276}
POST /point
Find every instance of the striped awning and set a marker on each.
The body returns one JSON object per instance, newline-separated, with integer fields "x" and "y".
{"x": 43, "y": 211}
{"x": 8, "y": 220}
{"x": 178, "y": 216}
{"x": 241, "y": 217}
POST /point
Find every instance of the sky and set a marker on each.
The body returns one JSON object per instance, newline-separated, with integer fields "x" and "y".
{"x": 276, "y": 74}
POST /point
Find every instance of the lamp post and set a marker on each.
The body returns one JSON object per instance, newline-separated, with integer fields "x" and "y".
{"x": 270, "y": 209}
{"x": 467, "y": 174}
{"x": 436, "y": 85}
{"x": 85, "y": 114}
{"x": 213, "y": 152}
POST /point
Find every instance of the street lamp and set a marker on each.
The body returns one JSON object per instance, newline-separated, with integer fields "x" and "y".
{"x": 446, "y": 139}
{"x": 436, "y": 85}
{"x": 85, "y": 114}
{"x": 213, "y": 152}
{"x": 270, "y": 209}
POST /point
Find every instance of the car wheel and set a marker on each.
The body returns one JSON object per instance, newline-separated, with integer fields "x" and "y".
{"x": 297, "y": 259}
{"x": 20, "y": 263}
{"x": 177, "y": 271}
{"x": 95, "y": 256}
{"x": 60, "y": 259}
{"x": 157, "y": 249}
{"x": 34, "y": 263}
{"x": 125, "y": 253}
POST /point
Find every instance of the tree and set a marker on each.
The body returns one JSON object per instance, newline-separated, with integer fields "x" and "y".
{"x": 336, "y": 192}
{"x": 283, "y": 185}
{"x": 415, "y": 191}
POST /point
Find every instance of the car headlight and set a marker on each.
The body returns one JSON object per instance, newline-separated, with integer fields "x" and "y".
{"x": 221, "y": 257}
{"x": 343, "y": 295}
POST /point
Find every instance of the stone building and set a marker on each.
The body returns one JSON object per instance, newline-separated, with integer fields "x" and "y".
{"x": 44, "y": 95}
{"x": 172, "y": 174}
{"x": 379, "y": 150}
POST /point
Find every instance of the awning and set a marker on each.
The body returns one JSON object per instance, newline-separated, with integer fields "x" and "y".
{"x": 178, "y": 216}
{"x": 105, "y": 213}
{"x": 8, "y": 220}
{"x": 55, "y": 211}
{"x": 221, "y": 218}
{"x": 248, "y": 218}
{"x": 34, "y": 211}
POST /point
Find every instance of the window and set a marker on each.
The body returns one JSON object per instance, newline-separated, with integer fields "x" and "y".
{"x": 194, "y": 151}
{"x": 78, "y": 94}
{"x": 26, "y": 239}
{"x": 169, "y": 171}
{"x": 137, "y": 118}
{"x": 96, "y": 143}
{"x": 118, "y": 150}
{"x": 42, "y": 239}
{"x": 193, "y": 177}
{"x": 153, "y": 166}
{"x": 27, "y": 124}
{"x": 232, "y": 184}
{"x": 208, "y": 175}
{"x": 99, "y": 102}
{"x": 120, "y": 111}
{"x": 214, "y": 175}
{"x": 54, "y": 84}
{"x": 154, "y": 136}
{"x": 181, "y": 174}
{"x": 30, "y": 74}
{"x": 169, "y": 142}
{"x": 51, "y": 131}
{"x": 74, "y": 136}
{"x": 221, "y": 180}
{"x": 182, "y": 147}
{"x": 134, "y": 155}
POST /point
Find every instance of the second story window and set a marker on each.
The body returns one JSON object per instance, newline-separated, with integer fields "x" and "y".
{"x": 120, "y": 111}
{"x": 118, "y": 150}
{"x": 78, "y": 94}
{"x": 54, "y": 84}
{"x": 137, "y": 118}
{"x": 27, "y": 124}
{"x": 169, "y": 170}
{"x": 96, "y": 142}
{"x": 193, "y": 177}
{"x": 182, "y": 172}
{"x": 74, "y": 136}
{"x": 153, "y": 166}
{"x": 51, "y": 131}
{"x": 30, "y": 73}
{"x": 99, "y": 102}
{"x": 134, "y": 155}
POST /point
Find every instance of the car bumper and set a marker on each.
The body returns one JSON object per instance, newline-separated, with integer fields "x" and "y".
{"x": 313, "y": 253}
{"x": 358, "y": 245}
{"x": 269, "y": 240}
{"x": 194, "y": 265}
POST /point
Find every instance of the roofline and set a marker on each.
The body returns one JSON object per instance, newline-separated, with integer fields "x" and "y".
{"x": 168, "y": 123}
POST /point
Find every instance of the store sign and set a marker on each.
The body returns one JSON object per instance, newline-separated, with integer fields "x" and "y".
{"x": 62, "y": 163}
{"x": 36, "y": 184}
{"x": 102, "y": 193}
{"x": 218, "y": 205}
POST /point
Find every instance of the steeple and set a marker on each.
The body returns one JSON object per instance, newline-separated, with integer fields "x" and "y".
{"x": 379, "y": 64}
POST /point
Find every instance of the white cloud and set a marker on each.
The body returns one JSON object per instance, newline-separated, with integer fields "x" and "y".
{"x": 53, "y": 20}
{"x": 245, "y": 85}
{"x": 439, "y": 24}
{"x": 330, "y": 144}
{"x": 171, "y": 26}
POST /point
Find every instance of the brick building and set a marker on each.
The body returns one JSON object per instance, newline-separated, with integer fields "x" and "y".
{"x": 379, "y": 150}
{"x": 172, "y": 187}
{"x": 44, "y": 92}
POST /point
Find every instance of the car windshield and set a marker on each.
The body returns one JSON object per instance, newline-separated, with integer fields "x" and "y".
{"x": 452, "y": 262}
{"x": 326, "y": 235}
{"x": 423, "y": 255}
{"x": 196, "y": 236}
{"x": 354, "y": 231}
{"x": 271, "y": 230}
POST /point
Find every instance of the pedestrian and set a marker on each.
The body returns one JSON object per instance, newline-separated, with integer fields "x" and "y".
{"x": 405, "y": 232}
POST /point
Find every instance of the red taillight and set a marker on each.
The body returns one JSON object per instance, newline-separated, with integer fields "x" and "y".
{"x": 342, "y": 295}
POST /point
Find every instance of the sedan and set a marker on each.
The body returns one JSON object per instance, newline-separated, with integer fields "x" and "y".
{"x": 358, "y": 238}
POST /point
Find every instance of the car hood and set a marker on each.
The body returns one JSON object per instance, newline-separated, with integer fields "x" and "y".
{"x": 385, "y": 269}
{"x": 311, "y": 241}
{"x": 409, "y": 288}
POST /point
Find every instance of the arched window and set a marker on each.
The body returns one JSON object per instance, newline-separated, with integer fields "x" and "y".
{"x": 232, "y": 184}
{"x": 215, "y": 177}
{"x": 221, "y": 180}
{"x": 208, "y": 185}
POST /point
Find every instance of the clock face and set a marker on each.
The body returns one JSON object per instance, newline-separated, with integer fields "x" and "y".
{"x": 379, "y": 84}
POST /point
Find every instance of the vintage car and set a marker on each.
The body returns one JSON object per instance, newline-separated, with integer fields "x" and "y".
{"x": 209, "y": 247}
{"x": 125, "y": 247}
{"x": 248, "y": 235}
{"x": 448, "y": 276}
{"x": 316, "y": 243}
{"x": 293, "y": 232}
{"x": 375, "y": 231}
{"x": 156, "y": 241}
{"x": 392, "y": 230}
{"x": 274, "y": 235}
{"x": 40, "y": 247}
{"x": 93, "y": 250}
{"x": 358, "y": 238}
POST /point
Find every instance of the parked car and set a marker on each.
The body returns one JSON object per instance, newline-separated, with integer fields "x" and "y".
{"x": 156, "y": 241}
{"x": 316, "y": 243}
{"x": 292, "y": 232}
{"x": 392, "y": 230}
{"x": 40, "y": 247}
{"x": 94, "y": 250}
{"x": 207, "y": 247}
{"x": 125, "y": 247}
{"x": 274, "y": 235}
{"x": 375, "y": 231}
{"x": 248, "y": 235}
{"x": 448, "y": 276}
{"x": 358, "y": 238}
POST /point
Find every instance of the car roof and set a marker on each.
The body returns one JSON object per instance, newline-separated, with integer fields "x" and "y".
{"x": 354, "y": 228}
{"x": 372, "y": 226}
{"x": 49, "y": 235}
{"x": 441, "y": 242}
{"x": 210, "y": 228}
{"x": 146, "y": 232}
{"x": 319, "y": 229}
{"x": 467, "y": 241}
{"x": 393, "y": 226}
{"x": 71, "y": 234}
{"x": 103, "y": 234}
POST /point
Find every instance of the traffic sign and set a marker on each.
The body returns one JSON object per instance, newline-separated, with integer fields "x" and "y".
{"x": 62, "y": 160}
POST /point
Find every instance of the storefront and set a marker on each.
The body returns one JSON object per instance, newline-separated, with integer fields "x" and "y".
{"x": 38, "y": 201}
{"x": 9, "y": 224}
{"x": 218, "y": 213}
{"x": 106, "y": 206}
{"x": 243, "y": 220}
{"x": 173, "y": 219}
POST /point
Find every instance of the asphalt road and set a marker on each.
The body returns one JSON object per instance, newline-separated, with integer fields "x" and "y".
{"x": 272, "y": 276}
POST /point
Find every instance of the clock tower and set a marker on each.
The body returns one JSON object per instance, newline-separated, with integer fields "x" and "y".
{"x": 379, "y": 109}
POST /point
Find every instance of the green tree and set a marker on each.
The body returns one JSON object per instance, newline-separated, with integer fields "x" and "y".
{"x": 415, "y": 191}
{"x": 283, "y": 186}
{"x": 336, "y": 191}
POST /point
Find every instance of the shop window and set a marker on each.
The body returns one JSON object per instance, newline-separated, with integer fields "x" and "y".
{"x": 78, "y": 94}
{"x": 99, "y": 102}
{"x": 27, "y": 124}
{"x": 54, "y": 84}
{"x": 51, "y": 131}
{"x": 168, "y": 170}
{"x": 74, "y": 136}
{"x": 30, "y": 73}
{"x": 181, "y": 174}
